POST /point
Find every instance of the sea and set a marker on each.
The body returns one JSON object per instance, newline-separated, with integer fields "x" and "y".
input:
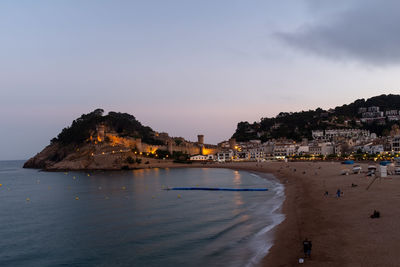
{"x": 127, "y": 218}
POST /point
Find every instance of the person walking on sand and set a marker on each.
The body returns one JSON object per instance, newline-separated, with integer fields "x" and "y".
{"x": 307, "y": 248}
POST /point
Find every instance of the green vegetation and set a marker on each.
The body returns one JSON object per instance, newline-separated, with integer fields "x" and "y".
{"x": 130, "y": 160}
{"x": 298, "y": 125}
{"x": 123, "y": 124}
{"x": 163, "y": 154}
{"x": 180, "y": 157}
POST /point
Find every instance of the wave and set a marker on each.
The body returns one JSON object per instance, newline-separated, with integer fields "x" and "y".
{"x": 262, "y": 241}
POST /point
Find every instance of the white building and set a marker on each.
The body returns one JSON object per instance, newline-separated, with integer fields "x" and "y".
{"x": 330, "y": 135}
{"x": 318, "y": 134}
{"x": 393, "y": 112}
{"x": 199, "y": 158}
{"x": 256, "y": 154}
{"x": 303, "y": 150}
{"x": 321, "y": 149}
{"x": 374, "y": 149}
{"x": 225, "y": 155}
{"x": 283, "y": 150}
{"x": 395, "y": 144}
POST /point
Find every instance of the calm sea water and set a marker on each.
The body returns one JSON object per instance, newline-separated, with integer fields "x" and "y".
{"x": 127, "y": 219}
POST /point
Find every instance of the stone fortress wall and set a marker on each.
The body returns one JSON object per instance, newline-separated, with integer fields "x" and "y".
{"x": 171, "y": 144}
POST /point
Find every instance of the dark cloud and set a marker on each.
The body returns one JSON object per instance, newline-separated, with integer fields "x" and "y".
{"x": 368, "y": 31}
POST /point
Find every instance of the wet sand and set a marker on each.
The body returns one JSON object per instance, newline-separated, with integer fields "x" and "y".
{"x": 341, "y": 230}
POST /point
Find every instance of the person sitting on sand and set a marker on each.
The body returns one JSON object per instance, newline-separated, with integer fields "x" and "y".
{"x": 376, "y": 214}
{"x": 307, "y": 248}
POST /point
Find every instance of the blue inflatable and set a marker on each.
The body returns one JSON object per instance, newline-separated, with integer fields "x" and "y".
{"x": 217, "y": 189}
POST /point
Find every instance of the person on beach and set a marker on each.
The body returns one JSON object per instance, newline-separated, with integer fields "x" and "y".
{"x": 307, "y": 248}
{"x": 338, "y": 193}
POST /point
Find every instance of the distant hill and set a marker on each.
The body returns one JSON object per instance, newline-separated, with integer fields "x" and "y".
{"x": 298, "y": 125}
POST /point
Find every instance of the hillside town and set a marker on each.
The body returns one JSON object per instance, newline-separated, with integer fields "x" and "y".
{"x": 333, "y": 143}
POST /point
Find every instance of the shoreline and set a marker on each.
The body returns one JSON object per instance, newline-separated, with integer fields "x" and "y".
{"x": 257, "y": 168}
{"x": 279, "y": 253}
{"x": 341, "y": 230}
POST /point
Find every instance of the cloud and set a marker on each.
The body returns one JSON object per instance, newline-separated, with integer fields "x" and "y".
{"x": 366, "y": 31}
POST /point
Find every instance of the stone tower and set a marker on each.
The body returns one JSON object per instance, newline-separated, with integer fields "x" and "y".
{"x": 232, "y": 143}
{"x": 100, "y": 132}
{"x": 139, "y": 146}
{"x": 169, "y": 145}
{"x": 200, "y": 141}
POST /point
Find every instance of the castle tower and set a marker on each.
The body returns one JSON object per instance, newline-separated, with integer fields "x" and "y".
{"x": 169, "y": 146}
{"x": 139, "y": 146}
{"x": 232, "y": 143}
{"x": 200, "y": 139}
{"x": 100, "y": 133}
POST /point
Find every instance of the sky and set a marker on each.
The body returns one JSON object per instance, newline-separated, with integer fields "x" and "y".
{"x": 187, "y": 67}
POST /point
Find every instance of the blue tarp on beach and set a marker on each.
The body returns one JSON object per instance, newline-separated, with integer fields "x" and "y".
{"x": 348, "y": 162}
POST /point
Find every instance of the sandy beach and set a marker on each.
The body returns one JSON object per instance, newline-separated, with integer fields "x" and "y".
{"x": 341, "y": 230}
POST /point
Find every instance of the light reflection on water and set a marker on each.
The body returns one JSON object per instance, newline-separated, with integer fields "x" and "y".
{"x": 127, "y": 219}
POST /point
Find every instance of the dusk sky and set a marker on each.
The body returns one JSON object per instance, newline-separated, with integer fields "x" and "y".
{"x": 187, "y": 67}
